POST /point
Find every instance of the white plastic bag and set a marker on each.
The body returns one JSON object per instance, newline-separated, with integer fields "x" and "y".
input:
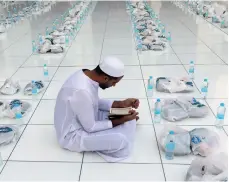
{"x": 212, "y": 168}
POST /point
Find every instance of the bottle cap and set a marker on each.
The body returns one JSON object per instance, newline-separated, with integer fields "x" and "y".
{"x": 191, "y": 62}
{"x": 150, "y": 77}
{"x": 222, "y": 104}
{"x": 45, "y": 65}
{"x": 158, "y": 100}
{"x": 33, "y": 81}
{"x": 205, "y": 79}
{"x": 171, "y": 133}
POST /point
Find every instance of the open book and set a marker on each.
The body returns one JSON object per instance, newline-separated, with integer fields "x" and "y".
{"x": 120, "y": 111}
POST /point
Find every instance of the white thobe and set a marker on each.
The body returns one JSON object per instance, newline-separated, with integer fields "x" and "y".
{"x": 82, "y": 124}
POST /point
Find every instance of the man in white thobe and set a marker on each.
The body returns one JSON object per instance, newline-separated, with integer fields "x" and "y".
{"x": 81, "y": 117}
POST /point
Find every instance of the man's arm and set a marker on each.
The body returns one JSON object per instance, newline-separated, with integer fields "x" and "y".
{"x": 106, "y": 104}
{"x": 82, "y": 106}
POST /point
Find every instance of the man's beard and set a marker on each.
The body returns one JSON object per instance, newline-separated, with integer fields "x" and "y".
{"x": 103, "y": 86}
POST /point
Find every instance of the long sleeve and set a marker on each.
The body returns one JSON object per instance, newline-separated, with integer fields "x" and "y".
{"x": 105, "y": 104}
{"x": 82, "y": 106}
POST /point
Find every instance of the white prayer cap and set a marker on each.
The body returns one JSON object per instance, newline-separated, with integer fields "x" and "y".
{"x": 112, "y": 66}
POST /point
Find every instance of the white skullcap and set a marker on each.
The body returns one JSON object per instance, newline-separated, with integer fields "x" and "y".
{"x": 112, "y": 66}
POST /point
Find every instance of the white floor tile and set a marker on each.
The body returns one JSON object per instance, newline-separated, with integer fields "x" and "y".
{"x": 175, "y": 172}
{"x": 80, "y": 60}
{"x": 125, "y": 89}
{"x": 8, "y": 62}
{"x": 123, "y": 172}
{"x": 35, "y": 73}
{"x": 44, "y": 113}
{"x": 119, "y": 46}
{"x": 226, "y": 129}
{"x": 63, "y": 73}
{"x": 53, "y": 90}
{"x": 40, "y": 60}
{"x": 7, "y": 72}
{"x": 145, "y": 148}
{"x": 6, "y": 150}
{"x": 200, "y": 58}
{"x": 39, "y": 171}
{"x": 42, "y": 147}
{"x": 158, "y": 59}
{"x": 126, "y": 59}
{"x": 163, "y": 71}
{"x": 199, "y": 48}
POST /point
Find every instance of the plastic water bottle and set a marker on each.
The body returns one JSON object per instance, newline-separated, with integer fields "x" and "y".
{"x": 170, "y": 146}
{"x": 204, "y": 88}
{"x": 47, "y": 31}
{"x": 34, "y": 90}
{"x": 222, "y": 24}
{"x": 46, "y": 73}
{"x": 157, "y": 111}
{"x": 191, "y": 70}
{"x": 67, "y": 40}
{"x": 34, "y": 47}
{"x": 18, "y": 116}
{"x": 40, "y": 39}
{"x": 169, "y": 37}
{"x": 220, "y": 115}
{"x": 150, "y": 87}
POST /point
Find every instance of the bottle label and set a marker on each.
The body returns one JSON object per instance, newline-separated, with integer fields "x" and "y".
{"x": 204, "y": 89}
{"x": 191, "y": 70}
{"x": 46, "y": 73}
{"x": 170, "y": 146}
{"x": 157, "y": 111}
{"x": 220, "y": 116}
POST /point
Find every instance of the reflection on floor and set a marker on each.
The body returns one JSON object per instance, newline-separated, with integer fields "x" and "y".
{"x": 37, "y": 156}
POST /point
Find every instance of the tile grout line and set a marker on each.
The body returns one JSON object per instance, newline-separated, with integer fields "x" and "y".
{"x": 203, "y": 42}
{"x": 148, "y": 103}
{"x": 81, "y": 167}
{"x": 104, "y": 35}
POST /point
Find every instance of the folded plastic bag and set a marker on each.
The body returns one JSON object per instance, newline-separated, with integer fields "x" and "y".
{"x": 8, "y": 134}
{"x": 204, "y": 141}
{"x": 56, "y": 48}
{"x": 172, "y": 85}
{"x": 39, "y": 87}
{"x": 10, "y": 87}
{"x": 212, "y": 168}
{"x": 9, "y": 109}
{"x": 182, "y": 108}
{"x": 182, "y": 139}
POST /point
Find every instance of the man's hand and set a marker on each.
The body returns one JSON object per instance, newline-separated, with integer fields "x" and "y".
{"x": 132, "y": 102}
{"x": 119, "y": 121}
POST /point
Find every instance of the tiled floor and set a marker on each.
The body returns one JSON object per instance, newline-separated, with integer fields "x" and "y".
{"x": 37, "y": 156}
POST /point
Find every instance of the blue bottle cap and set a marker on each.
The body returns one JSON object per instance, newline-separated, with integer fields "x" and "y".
{"x": 150, "y": 77}
{"x": 158, "y": 100}
{"x": 171, "y": 133}
{"x": 205, "y": 79}
{"x": 191, "y": 62}
{"x": 222, "y": 104}
{"x": 33, "y": 81}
